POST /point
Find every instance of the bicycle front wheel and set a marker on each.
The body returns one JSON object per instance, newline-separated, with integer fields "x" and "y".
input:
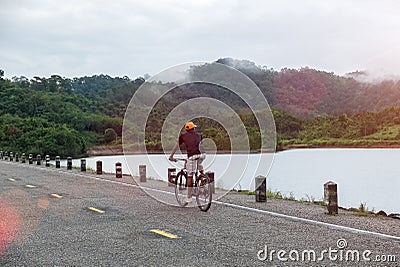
{"x": 204, "y": 194}
{"x": 181, "y": 190}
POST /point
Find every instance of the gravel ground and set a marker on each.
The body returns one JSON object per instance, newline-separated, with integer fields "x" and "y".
{"x": 384, "y": 225}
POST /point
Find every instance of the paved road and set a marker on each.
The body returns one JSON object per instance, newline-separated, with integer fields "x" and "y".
{"x": 100, "y": 223}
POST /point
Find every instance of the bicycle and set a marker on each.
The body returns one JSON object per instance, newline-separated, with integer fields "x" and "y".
{"x": 201, "y": 189}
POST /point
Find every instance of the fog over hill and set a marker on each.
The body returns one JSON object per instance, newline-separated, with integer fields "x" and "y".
{"x": 311, "y": 92}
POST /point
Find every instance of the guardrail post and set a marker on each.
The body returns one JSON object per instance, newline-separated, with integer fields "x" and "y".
{"x": 23, "y": 158}
{"x": 331, "y": 197}
{"x": 118, "y": 170}
{"x": 142, "y": 173}
{"x": 16, "y": 157}
{"x": 30, "y": 159}
{"x": 83, "y": 165}
{"x": 69, "y": 163}
{"x": 11, "y": 156}
{"x": 58, "y": 162}
{"x": 261, "y": 188}
{"x": 38, "y": 159}
{"x": 99, "y": 167}
{"x": 171, "y": 176}
{"x": 47, "y": 160}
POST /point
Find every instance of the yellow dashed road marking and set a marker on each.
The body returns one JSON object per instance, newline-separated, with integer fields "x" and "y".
{"x": 56, "y": 196}
{"x": 163, "y": 233}
{"x": 11, "y": 179}
{"x": 30, "y": 186}
{"x": 96, "y": 210}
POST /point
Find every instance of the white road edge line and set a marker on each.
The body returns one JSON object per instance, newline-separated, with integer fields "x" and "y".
{"x": 270, "y": 213}
{"x": 309, "y": 221}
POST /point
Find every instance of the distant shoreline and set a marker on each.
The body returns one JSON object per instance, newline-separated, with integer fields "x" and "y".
{"x": 117, "y": 150}
{"x": 300, "y": 146}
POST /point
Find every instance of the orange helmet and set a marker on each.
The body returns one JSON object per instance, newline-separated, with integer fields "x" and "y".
{"x": 189, "y": 126}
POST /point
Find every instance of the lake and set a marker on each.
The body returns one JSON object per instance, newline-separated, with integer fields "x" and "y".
{"x": 370, "y": 176}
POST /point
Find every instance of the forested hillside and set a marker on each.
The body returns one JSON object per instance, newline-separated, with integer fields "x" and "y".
{"x": 62, "y": 116}
{"x": 67, "y": 116}
{"x": 309, "y": 93}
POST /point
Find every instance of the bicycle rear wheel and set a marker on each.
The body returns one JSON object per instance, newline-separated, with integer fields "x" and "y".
{"x": 204, "y": 193}
{"x": 181, "y": 190}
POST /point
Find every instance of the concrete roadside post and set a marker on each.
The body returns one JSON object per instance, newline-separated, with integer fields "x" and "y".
{"x": 23, "y": 158}
{"x": 99, "y": 167}
{"x": 212, "y": 181}
{"x": 331, "y": 197}
{"x": 6, "y": 155}
{"x": 16, "y": 157}
{"x": 1, "y": 154}
{"x": 30, "y": 159}
{"x": 118, "y": 170}
{"x": 142, "y": 173}
{"x": 171, "y": 176}
{"x": 261, "y": 188}
{"x": 11, "y": 156}
{"x": 38, "y": 159}
{"x": 69, "y": 163}
{"x": 83, "y": 165}
{"x": 47, "y": 160}
{"x": 58, "y": 162}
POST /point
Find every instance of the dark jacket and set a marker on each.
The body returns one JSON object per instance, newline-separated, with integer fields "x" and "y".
{"x": 192, "y": 141}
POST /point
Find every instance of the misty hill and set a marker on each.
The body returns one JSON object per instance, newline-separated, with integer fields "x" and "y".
{"x": 68, "y": 116}
{"x": 305, "y": 92}
{"x": 309, "y": 92}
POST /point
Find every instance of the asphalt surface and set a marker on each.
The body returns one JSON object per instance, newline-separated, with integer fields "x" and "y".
{"x": 66, "y": 218}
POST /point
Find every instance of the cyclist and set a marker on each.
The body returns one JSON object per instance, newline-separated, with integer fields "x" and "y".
{"x": 195, "y": 153}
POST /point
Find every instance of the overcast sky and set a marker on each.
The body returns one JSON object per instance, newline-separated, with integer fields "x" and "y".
{"x": 127, "y": 37}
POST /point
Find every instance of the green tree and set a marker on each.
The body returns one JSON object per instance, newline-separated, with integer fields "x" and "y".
{"x": 110, "y": 135}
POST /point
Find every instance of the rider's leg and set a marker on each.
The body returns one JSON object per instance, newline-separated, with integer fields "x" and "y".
{"x": 191, "y": 168}
{"x": 190, "y": 185}
{"x": 199, "y": 163}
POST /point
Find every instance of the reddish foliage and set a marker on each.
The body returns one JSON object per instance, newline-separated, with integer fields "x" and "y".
{"x": 300, "y": 91}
